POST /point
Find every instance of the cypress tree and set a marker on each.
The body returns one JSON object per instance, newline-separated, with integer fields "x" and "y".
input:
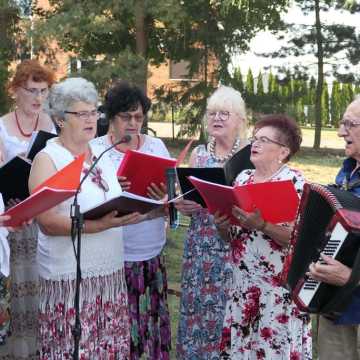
{"x": 335, "y": 104}
{"x": 325, "y": 105}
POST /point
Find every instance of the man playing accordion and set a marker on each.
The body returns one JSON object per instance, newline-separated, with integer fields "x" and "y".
{"x": 341, "y": 339}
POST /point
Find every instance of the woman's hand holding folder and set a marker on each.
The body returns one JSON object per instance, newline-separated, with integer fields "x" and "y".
{"x": 187, "y": 207}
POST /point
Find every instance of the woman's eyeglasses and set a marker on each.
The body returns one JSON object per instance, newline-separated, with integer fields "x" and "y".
{"x": 264, "y": 140}
{"x": 84, "y": 115}
{"x": 139, "y": 118}
{"x": 36, "y": 92}
{"x": 221, "y": 115}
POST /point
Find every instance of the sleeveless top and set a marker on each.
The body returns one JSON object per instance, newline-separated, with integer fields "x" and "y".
{"x": 4, "y": 246}
{"x": 12, "y": 145}
{"x": 102, "y": 252}
{"x": 145, "y": 240}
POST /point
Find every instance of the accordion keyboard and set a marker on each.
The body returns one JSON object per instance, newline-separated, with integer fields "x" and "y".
{"x": 310, "y": 286}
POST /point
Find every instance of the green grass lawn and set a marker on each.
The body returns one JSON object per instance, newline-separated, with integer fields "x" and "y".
{"x": 317, "y": 166}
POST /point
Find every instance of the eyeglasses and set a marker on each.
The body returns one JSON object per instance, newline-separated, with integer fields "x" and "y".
{"x": 36, "y": 92}
{"x": 139, "y": 118}
{"x": 265, "y": 140}
{"x": 84, "y": 115}
{"x": 348, "y": 124}
{"x": 221, "y": 115}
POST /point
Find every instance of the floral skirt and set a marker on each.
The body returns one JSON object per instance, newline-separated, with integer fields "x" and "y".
{"x": 149, "y": 314}
{"x": 104, "y": 318}
{"x": 4, "y": 310}
{"x": 24, "y": 301}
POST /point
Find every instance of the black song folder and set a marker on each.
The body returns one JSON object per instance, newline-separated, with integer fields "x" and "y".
{"x": 222, "y": 176}
{"x": 14, "y": 177}
{"x": 38, "y": 142}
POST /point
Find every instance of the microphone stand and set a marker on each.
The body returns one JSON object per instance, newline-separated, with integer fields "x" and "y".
{"x": 77, "y": 222}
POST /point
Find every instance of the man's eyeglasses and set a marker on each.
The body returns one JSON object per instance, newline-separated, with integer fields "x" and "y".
{"x": 221, "y": 115}
{"x": 36, "y": 92}
{"x": 139, "y": 118}
{"x": 265, "y": 140}
{"x": 84, "y": 115}
{"x": 348, "y": 124}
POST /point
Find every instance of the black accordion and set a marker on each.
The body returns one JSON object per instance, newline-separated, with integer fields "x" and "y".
{"x": 328, "y": 221}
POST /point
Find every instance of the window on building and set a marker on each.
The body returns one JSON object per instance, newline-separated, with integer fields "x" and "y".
{"x": 180, "y": 71}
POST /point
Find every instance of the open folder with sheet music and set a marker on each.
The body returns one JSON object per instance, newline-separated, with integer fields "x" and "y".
{"x": 142, "y": 169}
{"x": 124, "y": 204}
{"x": 14, "y": 174}
{"x": 224, "y": 176}
{"x": 277, "y": 201}
{"x": 56, "y": 189}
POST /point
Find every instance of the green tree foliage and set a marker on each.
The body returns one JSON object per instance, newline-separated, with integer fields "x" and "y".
{"x": 335, "y": 102}
{"x": 346, "y": 97}
{"x": 331, "y": 44}
{"x": 357, "y": 90}
{"x": 9, "y": 16}
{"x": 325, "y": 120}
{"x": 201, "y": 32}
{"x": 260, "y": 85}
{"x": 237, "y": 81}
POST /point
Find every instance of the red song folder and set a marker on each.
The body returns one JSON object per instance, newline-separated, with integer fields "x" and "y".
{"x": 143, "y": 169}
{"x": 277, "y": 201}
{"x": 51, "y": 192}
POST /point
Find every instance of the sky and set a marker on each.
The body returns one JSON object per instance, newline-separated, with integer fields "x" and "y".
{"x": 267, "y": 42}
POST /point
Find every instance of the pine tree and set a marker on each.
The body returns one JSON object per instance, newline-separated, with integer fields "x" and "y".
{"x": 260, "y": 85}
{"x": 325, "y": 105}
{"x": 335, "y": 103}
{"x": 347, "y": 96}
{"x": 237, "y": 80}
{"x": 357, "y": 90}
{"x": 249, "y": 95}
{"x": 250, "y": 83}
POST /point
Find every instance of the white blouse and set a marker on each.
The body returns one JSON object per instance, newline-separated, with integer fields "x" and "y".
{"x": 4, "y": 246}
{"x": 101, "y": 253}
{"x": 145, "y": 240}
{"x": 12, "y": 145}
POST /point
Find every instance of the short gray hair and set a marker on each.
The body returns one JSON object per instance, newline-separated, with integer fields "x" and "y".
{"x": 70, "y": 91}
{"x": 227, "y": 98}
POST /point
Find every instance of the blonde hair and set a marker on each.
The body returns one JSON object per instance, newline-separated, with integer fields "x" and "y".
{"x": 229, "y": 99}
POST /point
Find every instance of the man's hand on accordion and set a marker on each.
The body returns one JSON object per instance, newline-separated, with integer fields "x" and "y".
{"x": 329, "y": 271}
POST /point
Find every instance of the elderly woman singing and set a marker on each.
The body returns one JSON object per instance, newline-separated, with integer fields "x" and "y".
{"x": 261, "y": 321}
{"x": 104, "y": 313}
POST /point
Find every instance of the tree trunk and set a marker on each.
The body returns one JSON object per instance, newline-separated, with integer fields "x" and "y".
{"x": 320, "y": 81}
{"x": 141, "y": 43}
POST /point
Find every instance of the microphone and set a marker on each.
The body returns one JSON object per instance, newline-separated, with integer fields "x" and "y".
{"x": 76, "y": 229}
{"x": 170, "y": 183}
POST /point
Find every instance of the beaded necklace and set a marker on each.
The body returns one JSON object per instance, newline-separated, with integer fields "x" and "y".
{"x": 222, "y": 159}
{"x": 22, "y": 132}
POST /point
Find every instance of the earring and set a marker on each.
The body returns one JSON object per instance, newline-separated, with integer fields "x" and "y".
{"x": 280, "y": 161}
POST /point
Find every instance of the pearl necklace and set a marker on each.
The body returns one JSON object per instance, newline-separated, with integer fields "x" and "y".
{"x": 222, "y": 159}
{"x": 273, "y": 176}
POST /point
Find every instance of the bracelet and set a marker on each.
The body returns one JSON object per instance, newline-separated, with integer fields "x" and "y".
{"x": 263, "y": 226}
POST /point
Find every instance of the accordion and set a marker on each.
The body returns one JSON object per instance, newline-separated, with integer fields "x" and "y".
{"x": 328, "y": 222}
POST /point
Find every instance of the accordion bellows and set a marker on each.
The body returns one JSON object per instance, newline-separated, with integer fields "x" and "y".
{"x": 328, "y": 221}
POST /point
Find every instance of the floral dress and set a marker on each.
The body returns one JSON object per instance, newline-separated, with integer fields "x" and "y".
{"x": 261, "y": 321}
{"x": 206, "y": 277}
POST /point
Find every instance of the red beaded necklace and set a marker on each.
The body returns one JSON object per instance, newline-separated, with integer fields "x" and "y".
{"x": 117, "y": 146}
{"x": 22, "y": 132}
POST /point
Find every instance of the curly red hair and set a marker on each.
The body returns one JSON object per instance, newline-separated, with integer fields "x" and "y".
{"x": 31, "y": 69}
